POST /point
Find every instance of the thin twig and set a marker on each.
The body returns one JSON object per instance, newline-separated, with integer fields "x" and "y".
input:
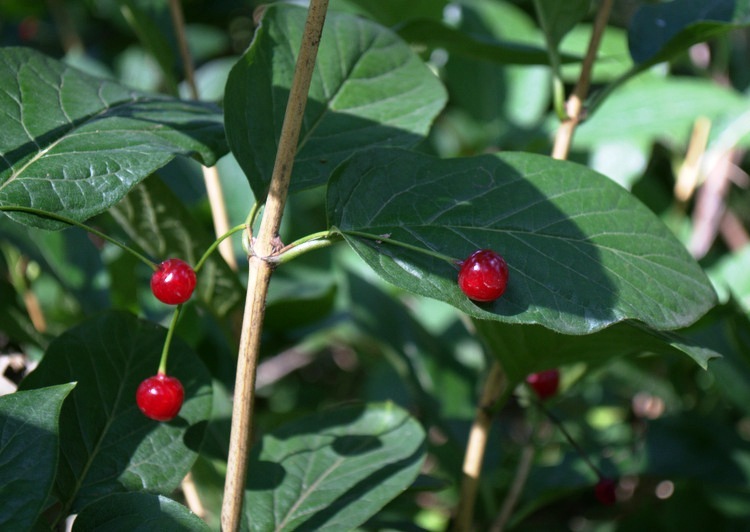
{"x": 687, "y": 177}
{"x": 210, "y": 174}
{"x": 192, "y": 498}
{"x": 260, "y": 270}
{"x": 494, "y": 387}
{"x": 564, "y": 137}
{"x": 583, "y": 454}
{"x": 733, "y": 232}
{"x": 710, "y": 204}
{"x": 519, "y": 481}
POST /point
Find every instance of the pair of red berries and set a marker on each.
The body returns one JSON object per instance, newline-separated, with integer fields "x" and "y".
{"x": 160, "y": 397}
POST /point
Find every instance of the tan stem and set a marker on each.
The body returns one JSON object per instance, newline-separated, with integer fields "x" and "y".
{"x": 210, "y": 174}
{"x": 219, "y": 213}
{"x": 733, "y": 232}
{"x": 574, "y": 106}
{"x": 710, "y": 204}
{"x": 494, "y": 387}
{"x": 519, "y": 481}
{"x": 260, "y": 270}
{"x": 192, "y": 499}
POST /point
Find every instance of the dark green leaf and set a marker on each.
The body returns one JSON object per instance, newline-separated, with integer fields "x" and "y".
{"x": 492, "y": 102}
{"x": 368, "y": 89}
{"x": 526, "y": 349}
{"x": 558, "y": 18}
{"x": 442, "y": 385}
{"x": 392, "y": 12}
{"x": 333, "y": 470}
{"x": 16, "y": 323}
{"x": 435, "y": 34}
{"x": 659, "y": 32}
{"x": 29, "y": 443}
{"x": 294, "y": 303}
{"x": 152, "y": 24}
{"x": 583, "y": 253}
{"x": 137, "y": 512}
{"x": 727, "y": 330}
{"x": 160, "y": 224}
{"x": 107, "y": 444}
{"x": 74, "y": 144}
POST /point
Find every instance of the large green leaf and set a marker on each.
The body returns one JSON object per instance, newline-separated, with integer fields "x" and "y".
{"x": 526, "y": 349}
{"x": 334, "y": 470}
{"x": 137, "y": 511}
{"x": 659, "y": 32}
{"x": 583, "y": 253}
{"x": 107, "y": 444}
{"x": 160, "y": 224}
{"x": 647, "y": 109}
{"x": 29, "y": 443}
{"x": 74, "y": 144}
{"x": 368, "y": 89}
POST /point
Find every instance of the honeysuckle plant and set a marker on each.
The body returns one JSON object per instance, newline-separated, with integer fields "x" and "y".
{"x": 304, "y": 285}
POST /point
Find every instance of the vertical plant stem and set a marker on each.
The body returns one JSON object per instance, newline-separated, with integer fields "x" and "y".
{"x": 494, "y": 387}
{"x": 564, "y": 136}
{"x": 210, "y": 174}
{"x": 519, "y": 481}
{"x": 260, "y": 270}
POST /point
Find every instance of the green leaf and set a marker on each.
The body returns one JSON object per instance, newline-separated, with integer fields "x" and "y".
{"x": 558, "y": 18}
{"x": 295, "y": 303}
{"x": 582, "y": 252}
{"x": 152, "y": 24}
{"x": 334, "y": 470}
{"x": 646, "y": 110}
{"x": 107, "y": 444}
{"x": 368, "y": 89}
{"x": 74, "y": 144}
{"x": 16, "y": 322}
{"x": 659, "y": 32}
{"x": 29, "y": 443}
{"x": 392, "y": 12}
{"x": 137, "y": 511}
{"x": 727, "y": 329}
{"x": 160, "y": 224}
{"x": 526, "y": 349}
{"x": 492, "y": 102}
{"x": 436, "y": 34}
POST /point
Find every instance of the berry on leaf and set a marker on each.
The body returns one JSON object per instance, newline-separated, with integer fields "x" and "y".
{"x": 483, "y": 276}
{"x": 173, "y": 282}
{"x": 605, "y": 491}
{"x": 160, "y": 397}
{"x": 545, "y": 383}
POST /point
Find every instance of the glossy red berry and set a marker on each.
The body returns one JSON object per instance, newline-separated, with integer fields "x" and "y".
{"x": 483, "y": 275}
{"x": 173, "y": 282}
{"x": 605, "y": 491}
{"x": 160, "y": 397}
{"x": 545, "y": 383}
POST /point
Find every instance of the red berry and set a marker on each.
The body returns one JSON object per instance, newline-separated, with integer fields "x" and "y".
{"x": 483, "y": 275}
{"x": 605, "y": 491}
{"x": 173, "y": 282}
{"x": 160, "y": 397}
{"x": 545, "y": 383}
